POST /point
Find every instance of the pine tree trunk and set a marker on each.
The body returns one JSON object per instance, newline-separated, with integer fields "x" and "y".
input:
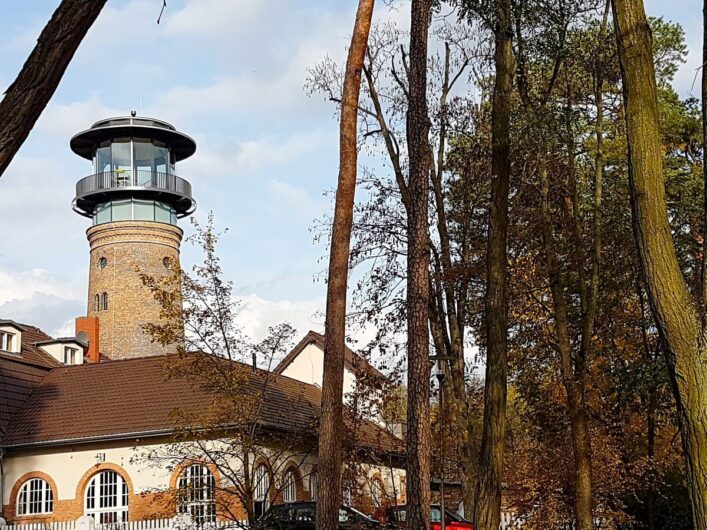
{"x": 487, "y": 510}
{"x": 331, "y": 420}
{"x": 703, "y": 269}
{"x": 571, "y": 381}
{"x": 675, "y": 310}
{"x": 26, "y": 98}
{"x": 418, "y": 267}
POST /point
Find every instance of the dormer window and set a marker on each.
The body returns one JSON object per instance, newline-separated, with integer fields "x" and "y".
{"x": 7, "y": 341}
{"x": 70, "y": 355}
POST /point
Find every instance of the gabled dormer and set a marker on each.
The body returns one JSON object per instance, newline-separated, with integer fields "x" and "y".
{"x": 10, "y": 336}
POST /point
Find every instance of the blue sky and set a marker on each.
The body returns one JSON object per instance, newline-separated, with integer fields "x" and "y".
{"x": 230, "y": 73}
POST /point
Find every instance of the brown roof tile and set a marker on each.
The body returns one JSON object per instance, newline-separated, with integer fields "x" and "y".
{"x": 17, "y": 380}
{"x": 29, "y": 352}
{"x": 130, "y": 397}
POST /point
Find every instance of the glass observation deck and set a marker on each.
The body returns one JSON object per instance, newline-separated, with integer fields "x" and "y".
{"x": 133, "y": 160}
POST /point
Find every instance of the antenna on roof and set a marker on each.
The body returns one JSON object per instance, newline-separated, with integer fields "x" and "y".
{"x": 133, "y": 113}
{"x": 255, "y": 364}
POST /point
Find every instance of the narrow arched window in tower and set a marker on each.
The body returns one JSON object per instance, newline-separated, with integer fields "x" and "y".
{"x": 98, "y": 302}
{"x": 104, "y": 301}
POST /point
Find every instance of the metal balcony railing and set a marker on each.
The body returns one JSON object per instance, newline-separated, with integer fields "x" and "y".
{"x": 127, "y": 179}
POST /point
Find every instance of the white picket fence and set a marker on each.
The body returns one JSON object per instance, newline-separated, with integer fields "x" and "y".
{"x": 147, "y": 524}
{"x": 508, "y": 522}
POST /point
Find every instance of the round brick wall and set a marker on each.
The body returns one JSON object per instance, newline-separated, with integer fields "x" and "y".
{"x": 120, "y": 252}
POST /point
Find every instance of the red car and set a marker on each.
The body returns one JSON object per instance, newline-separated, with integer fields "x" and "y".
{"x": 396, "y": 517}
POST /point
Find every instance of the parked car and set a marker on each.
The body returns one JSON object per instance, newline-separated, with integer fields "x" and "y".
{"x": 302, "y": 515}
{"x": 396, "y": 517}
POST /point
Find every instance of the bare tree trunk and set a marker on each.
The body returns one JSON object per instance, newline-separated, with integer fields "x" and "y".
{"x": 26, "y": 98}
{"x": 331, "y": 422}
{"x": 418, "y": 270}
{"x": 487, "y": 509}
{"x": 676, "y": 312}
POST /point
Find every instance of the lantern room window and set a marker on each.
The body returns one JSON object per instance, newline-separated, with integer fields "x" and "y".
{"x": 136, "y": 159}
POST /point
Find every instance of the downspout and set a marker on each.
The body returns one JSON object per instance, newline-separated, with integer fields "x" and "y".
{"x": 2, "y": 483}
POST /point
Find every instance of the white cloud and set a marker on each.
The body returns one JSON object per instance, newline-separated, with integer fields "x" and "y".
{"x": 210, "y": 17}
{"x": 233, "y": 157}
{"x": 63, "y": 120}
{"x": 257, "y": 314}
{"x": 295, "y": 199}
{"x": 37, "y": 298}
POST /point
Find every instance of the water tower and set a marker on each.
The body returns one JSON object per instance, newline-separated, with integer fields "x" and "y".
{"x": 134, "y": 198}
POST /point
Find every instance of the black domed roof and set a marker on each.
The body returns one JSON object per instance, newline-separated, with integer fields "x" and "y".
{"x": 84, "y": 143}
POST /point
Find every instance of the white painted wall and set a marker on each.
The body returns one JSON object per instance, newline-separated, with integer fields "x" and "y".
{"x": 67, "y": 465}
{"x": 308, "y": 367}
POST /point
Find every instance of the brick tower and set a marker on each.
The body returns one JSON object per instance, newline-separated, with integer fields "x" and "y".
{"x": 134, "y": 198}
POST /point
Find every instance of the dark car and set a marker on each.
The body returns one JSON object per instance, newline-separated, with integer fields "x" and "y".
{"x": 396, "y": 517}
{"x": 301, "y": 516}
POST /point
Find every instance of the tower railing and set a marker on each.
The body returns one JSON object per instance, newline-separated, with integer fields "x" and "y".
{"x": 122, "y": 179}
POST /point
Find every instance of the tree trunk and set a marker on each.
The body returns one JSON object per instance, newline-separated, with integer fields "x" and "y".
{"x": 331, "y": 421}
{"x": 571, "y": 381}
{"x": 703, "y": 269}
{"x": 26, "y": 98}
{"x": 487, "y": 509}
{"x": 418, "y": 268}
{"x": 676, "y": 313}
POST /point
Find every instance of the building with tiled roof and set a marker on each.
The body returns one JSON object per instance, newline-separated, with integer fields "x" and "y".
{"x": 106, "y": 427}
{"x": 62, "y": 424}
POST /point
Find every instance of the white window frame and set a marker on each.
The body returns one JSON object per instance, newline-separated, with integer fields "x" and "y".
{"x": 196, "y": 490}
{"x": 289, "y": 487}
{"x": 7, "y": 340}
{"x": 70, "y": 355}
{"x": 35, "y": 498}
{"x": 261, "y": 495}
{"x": 106, "y": 498}
{"x": 313, "y": 486}
{"x": 378, "y": 492}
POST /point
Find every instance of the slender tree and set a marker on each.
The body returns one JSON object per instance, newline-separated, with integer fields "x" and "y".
{"x": 330, "y": 441}
{"x": 27, "y": 96}
{"x": 487, "y": 510}
{"x": 679, "y": 315}
{"x": 418, "y": 273}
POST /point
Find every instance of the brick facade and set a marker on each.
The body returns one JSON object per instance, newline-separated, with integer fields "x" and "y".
{"x": 120, "y": 252}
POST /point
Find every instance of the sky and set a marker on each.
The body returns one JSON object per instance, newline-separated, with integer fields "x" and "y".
{"x": 230, "y": 73}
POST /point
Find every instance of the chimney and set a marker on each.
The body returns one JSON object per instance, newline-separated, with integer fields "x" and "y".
{"x": 87, "y": 330}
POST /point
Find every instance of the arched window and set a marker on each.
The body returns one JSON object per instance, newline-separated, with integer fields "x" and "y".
{"x": 313, "y": 486}
{"x": 98, "y": 302}
{"x": 107, "y": 498}
{"x": 197, "y": 494}
{"x": 102, "y": 263}
{"x": 105, "y": 301}
{"x": 261, "y": 502}
{"x": 289, "y": 487}
{"x": 35, "y": 497}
